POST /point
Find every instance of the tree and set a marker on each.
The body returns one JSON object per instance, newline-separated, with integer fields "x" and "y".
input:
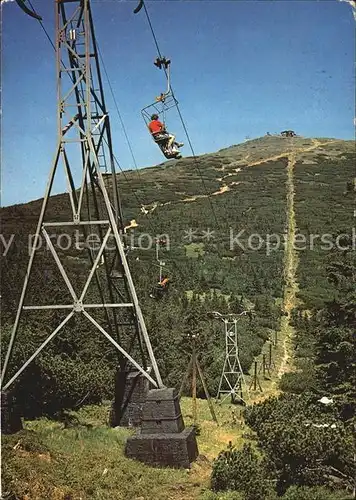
{"x": 335, "y": 345}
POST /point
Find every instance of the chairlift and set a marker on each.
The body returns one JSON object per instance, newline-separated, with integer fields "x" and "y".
{"x": 159, "y": 290}
{"x": 162, "y": 104}
{"x": 162, "y": 286}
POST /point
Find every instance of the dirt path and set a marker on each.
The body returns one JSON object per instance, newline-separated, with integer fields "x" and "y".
{"x": 315, "y": 145}
{"x": 284, "y": 361}
{"x": 290, "y": 269}
{"x": 227, "y": 187}
{"x": 291, "y": 286}
{"x": 222, "y": 190}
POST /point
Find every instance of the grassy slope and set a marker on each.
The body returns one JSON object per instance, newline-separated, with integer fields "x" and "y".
{"x": 88, "y": 462}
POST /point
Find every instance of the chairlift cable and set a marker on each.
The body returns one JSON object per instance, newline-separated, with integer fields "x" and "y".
{"x": 118, "y": 110}
{"x": 178, "y": 109}
{"x": 119, "y": 114}
{"x": 43, "y": 27}
{"x": 142, "y": 3}
{"x": 152, "y": 31}
{"x": 132, "y": 190}
{"x": 140, "y": 202}
{"x": 126, "y": 136}
{"x": 196, "y": 163}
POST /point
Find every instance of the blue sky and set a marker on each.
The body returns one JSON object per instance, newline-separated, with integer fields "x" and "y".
{"x": 239, "y": 68}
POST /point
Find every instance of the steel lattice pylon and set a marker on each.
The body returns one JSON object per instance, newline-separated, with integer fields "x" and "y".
{"x": 232, "y": 380}
{"x": 84, "y": 150}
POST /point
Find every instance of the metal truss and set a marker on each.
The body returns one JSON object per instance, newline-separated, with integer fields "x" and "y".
{"x": 84, "y": 151}
{"x": 159, "y": 106}
{"x": 232, "y": 381}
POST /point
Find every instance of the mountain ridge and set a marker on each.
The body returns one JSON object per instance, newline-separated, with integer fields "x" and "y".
{"x": 272, "y": 146}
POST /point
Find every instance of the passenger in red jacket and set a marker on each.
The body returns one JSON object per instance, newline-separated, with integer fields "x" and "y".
{"x": 161, "y": 288}
{"x": 159, "y": 133}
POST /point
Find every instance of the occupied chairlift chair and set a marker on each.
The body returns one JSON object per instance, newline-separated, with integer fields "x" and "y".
{"x": 163, "y": 103}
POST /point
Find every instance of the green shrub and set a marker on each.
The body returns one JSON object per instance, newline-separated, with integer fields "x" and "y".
{"x": 298, "y": 382}
{"x": 240, "y": 470}
{"x": 303, "y": 442}
{"x": 60, "y": 377}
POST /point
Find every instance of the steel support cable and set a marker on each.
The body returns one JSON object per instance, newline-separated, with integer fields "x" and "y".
{"x": 118, "y": 110}
{"x": 178, "y": 109}
{"x": 118, "y": 164}
{"x": 181, "y": 117}
{"x": 152, "y": 30}
{"x": 132, "y": 190}
{"x": 116, "y": 160}
{"x": 126, "y": 137}
{"x": 43, "y": 27}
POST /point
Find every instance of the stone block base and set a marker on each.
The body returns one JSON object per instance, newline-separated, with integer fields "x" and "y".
{"x": 166, "y": 450}
{"x": 131, "y": 389}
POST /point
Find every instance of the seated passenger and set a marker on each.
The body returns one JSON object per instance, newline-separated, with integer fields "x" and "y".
{"x": 164, "y": 282}
{"x": 160, "y": 288}
{"x": 159, "y": 133}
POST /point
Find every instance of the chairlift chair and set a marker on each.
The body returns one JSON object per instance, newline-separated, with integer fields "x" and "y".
{"x": 162, "y": 104}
